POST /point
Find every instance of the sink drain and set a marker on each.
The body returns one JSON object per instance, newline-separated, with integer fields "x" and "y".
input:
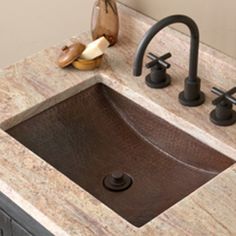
{"x": 117, "y": 181}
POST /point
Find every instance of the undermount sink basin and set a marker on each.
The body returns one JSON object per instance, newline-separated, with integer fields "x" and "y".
{"x": 98, "y": 131}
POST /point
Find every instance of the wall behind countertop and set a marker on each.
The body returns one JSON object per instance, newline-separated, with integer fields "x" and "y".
{"x": 216, "y": 19}
{"x": 28, "y": 26}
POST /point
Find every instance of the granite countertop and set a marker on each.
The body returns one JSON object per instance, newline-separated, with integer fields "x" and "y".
{"x": 62, "y": 207}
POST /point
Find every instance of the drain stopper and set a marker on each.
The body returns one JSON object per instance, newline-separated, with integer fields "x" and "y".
{"x": 117, "y": 181}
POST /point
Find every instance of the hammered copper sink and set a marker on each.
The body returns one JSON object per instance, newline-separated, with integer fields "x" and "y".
{"x": 98, "y": 131}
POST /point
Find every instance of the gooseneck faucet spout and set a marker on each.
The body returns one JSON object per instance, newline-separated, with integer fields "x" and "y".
{"x": 192, "y": 95}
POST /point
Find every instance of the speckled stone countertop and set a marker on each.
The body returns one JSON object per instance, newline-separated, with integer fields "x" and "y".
{"x": 64, "y": 208}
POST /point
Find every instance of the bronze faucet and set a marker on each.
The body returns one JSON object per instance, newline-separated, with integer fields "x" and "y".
{"x": 192, "y": 95}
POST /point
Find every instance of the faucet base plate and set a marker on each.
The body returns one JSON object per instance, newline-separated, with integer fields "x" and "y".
{"x": 191, "y": 103}
{"x": 158, "y": 85}
{"x": 218, "y": 122}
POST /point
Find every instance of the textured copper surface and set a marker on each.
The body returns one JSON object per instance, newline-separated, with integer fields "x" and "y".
{"x": 99, "y": 131}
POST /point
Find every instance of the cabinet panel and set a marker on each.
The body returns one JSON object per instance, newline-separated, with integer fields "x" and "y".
{"x": 5, "y": 224}
{"x": 26, "y": 225}
{"x": 17, "y": 230}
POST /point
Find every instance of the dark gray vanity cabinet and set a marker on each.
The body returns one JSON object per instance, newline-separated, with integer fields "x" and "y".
{"x": 5, "y": 224}
{"x": 18, "y": 230}
{"x": 9, "y": 227}
{"x": 15, "y": 222}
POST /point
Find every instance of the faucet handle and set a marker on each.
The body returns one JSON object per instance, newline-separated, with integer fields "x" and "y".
{"x": 223, "y": 115}
{"x": 158, "y": 78}
{"x": 159, "y": 61}
{"x": 224, "y": 95}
